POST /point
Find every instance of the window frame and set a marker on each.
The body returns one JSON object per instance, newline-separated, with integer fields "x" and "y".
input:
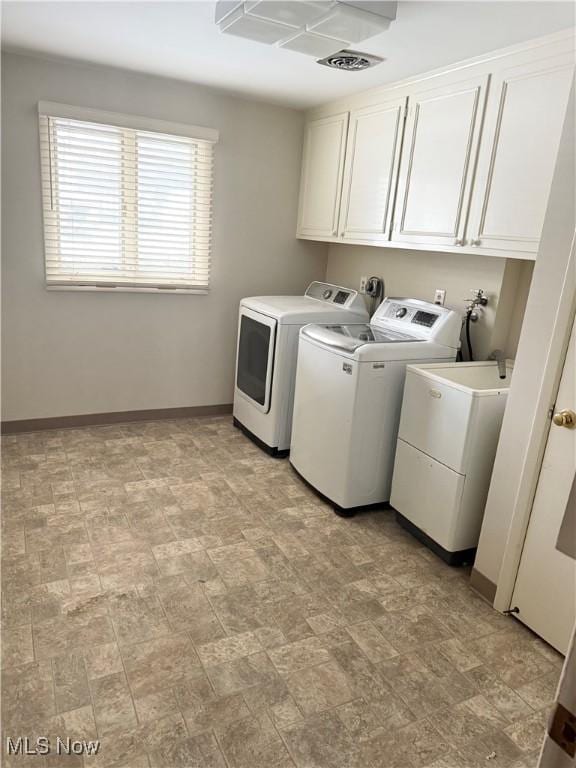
{"x": 117, "y": 120}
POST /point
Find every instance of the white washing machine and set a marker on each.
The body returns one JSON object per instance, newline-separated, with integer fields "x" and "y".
{"x": 348, "y": 396}
{"x": 267, "y": 351}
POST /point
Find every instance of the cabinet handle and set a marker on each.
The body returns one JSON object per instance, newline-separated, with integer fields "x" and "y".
{"x": 475, "y": 242}
{"x": 459, "y": 241}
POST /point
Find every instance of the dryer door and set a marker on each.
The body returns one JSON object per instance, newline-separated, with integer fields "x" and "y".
{"x": 255, "y": 357}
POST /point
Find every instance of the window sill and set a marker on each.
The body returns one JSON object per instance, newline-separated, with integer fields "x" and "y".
{"x": 126, "y": 289}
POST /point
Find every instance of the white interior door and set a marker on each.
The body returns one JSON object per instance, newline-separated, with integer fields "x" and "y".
{"x": 545, "y": 589}
{"x": 370, "y": 173}
{"x": 322, "y": 169}
{"x": 524, "y": 119}
{"x": 437, "y": 164}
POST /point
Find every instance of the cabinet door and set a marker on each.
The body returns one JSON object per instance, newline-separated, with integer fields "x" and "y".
{"x": 321, "y": 183}
{"x": 370, "y": 172}
{"x": 429, "y": 494}
{"x": 437, "y": 164}
{"x": 436, "y": 419}
{"x": 524, "y": 121}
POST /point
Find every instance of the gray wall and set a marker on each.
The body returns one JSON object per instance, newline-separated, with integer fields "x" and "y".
{"x": 68, "y": 353}
{"x": 419, "y": 273}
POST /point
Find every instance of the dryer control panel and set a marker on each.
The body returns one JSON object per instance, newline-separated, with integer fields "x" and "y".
{"x": 331, "y": 294}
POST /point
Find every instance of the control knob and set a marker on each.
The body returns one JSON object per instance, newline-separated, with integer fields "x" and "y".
{"x": 401, "y": 312}
{"x": 327, "y": 293}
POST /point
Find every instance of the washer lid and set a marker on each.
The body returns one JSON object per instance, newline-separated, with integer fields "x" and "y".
{"x": 349, "y": 337}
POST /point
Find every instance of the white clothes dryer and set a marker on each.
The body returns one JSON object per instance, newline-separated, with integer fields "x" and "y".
{"x": 267, "y": 351}
{"x": 348, "y": 396}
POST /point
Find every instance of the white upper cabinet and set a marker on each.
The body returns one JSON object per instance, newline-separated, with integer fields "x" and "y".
{"x": 468, "y": 167}
{"x": 370, "y": 173}
{"x": 322, "y": 169}
{"x": 524, "y": 121}
{"x": 437, "y": 166}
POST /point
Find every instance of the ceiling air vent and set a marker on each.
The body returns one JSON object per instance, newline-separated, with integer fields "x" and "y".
{"x": 353, "y": 61}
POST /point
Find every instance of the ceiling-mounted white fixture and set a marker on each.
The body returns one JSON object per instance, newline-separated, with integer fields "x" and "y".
{"x": 312, "y": 44}
{"x": 313, "y": 27}
{"x": 263, "y": 31}
{"x": 351, "y": 61}
{"x": 294, "y": 14}
{"x": 349, "y": 23}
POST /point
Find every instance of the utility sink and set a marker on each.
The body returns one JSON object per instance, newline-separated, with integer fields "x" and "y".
{"x": 482, "y": 378}
{"x": 449, "y": 429}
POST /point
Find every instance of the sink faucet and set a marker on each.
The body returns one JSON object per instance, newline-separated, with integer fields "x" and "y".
{"x": 498, "y": 355}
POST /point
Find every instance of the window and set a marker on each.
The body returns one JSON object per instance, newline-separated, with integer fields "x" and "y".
{"x": 127, "y": 201}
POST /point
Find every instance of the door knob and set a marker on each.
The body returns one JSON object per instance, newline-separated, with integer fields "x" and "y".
{"x": 565, "y": 418}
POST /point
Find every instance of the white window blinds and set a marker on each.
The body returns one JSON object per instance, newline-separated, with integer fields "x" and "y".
{"x": 124, "y": 207}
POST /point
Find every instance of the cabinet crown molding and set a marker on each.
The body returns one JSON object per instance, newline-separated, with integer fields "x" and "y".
{"x": 538, "y": 47}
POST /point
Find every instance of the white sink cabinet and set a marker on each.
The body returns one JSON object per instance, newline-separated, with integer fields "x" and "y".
{"x": 449, "y": 429}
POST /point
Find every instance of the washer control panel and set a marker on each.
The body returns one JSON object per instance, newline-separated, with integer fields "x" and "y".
{"x": 424, "y": 318}
{"x": 420, "y": 319}
{"x": 393, "y": 309}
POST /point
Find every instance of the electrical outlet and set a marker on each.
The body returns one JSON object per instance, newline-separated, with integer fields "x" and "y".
{"x": 439, "y": 296}
{"x": 363, "y": 281}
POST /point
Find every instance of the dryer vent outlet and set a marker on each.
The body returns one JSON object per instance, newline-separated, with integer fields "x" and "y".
{"x": 352, "y": 61}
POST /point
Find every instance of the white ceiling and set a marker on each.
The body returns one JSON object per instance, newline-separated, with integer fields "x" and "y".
{"x": 180, "y": 40}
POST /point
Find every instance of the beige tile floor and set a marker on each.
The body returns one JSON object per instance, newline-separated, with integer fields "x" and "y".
{"x": 174, "y": 592}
